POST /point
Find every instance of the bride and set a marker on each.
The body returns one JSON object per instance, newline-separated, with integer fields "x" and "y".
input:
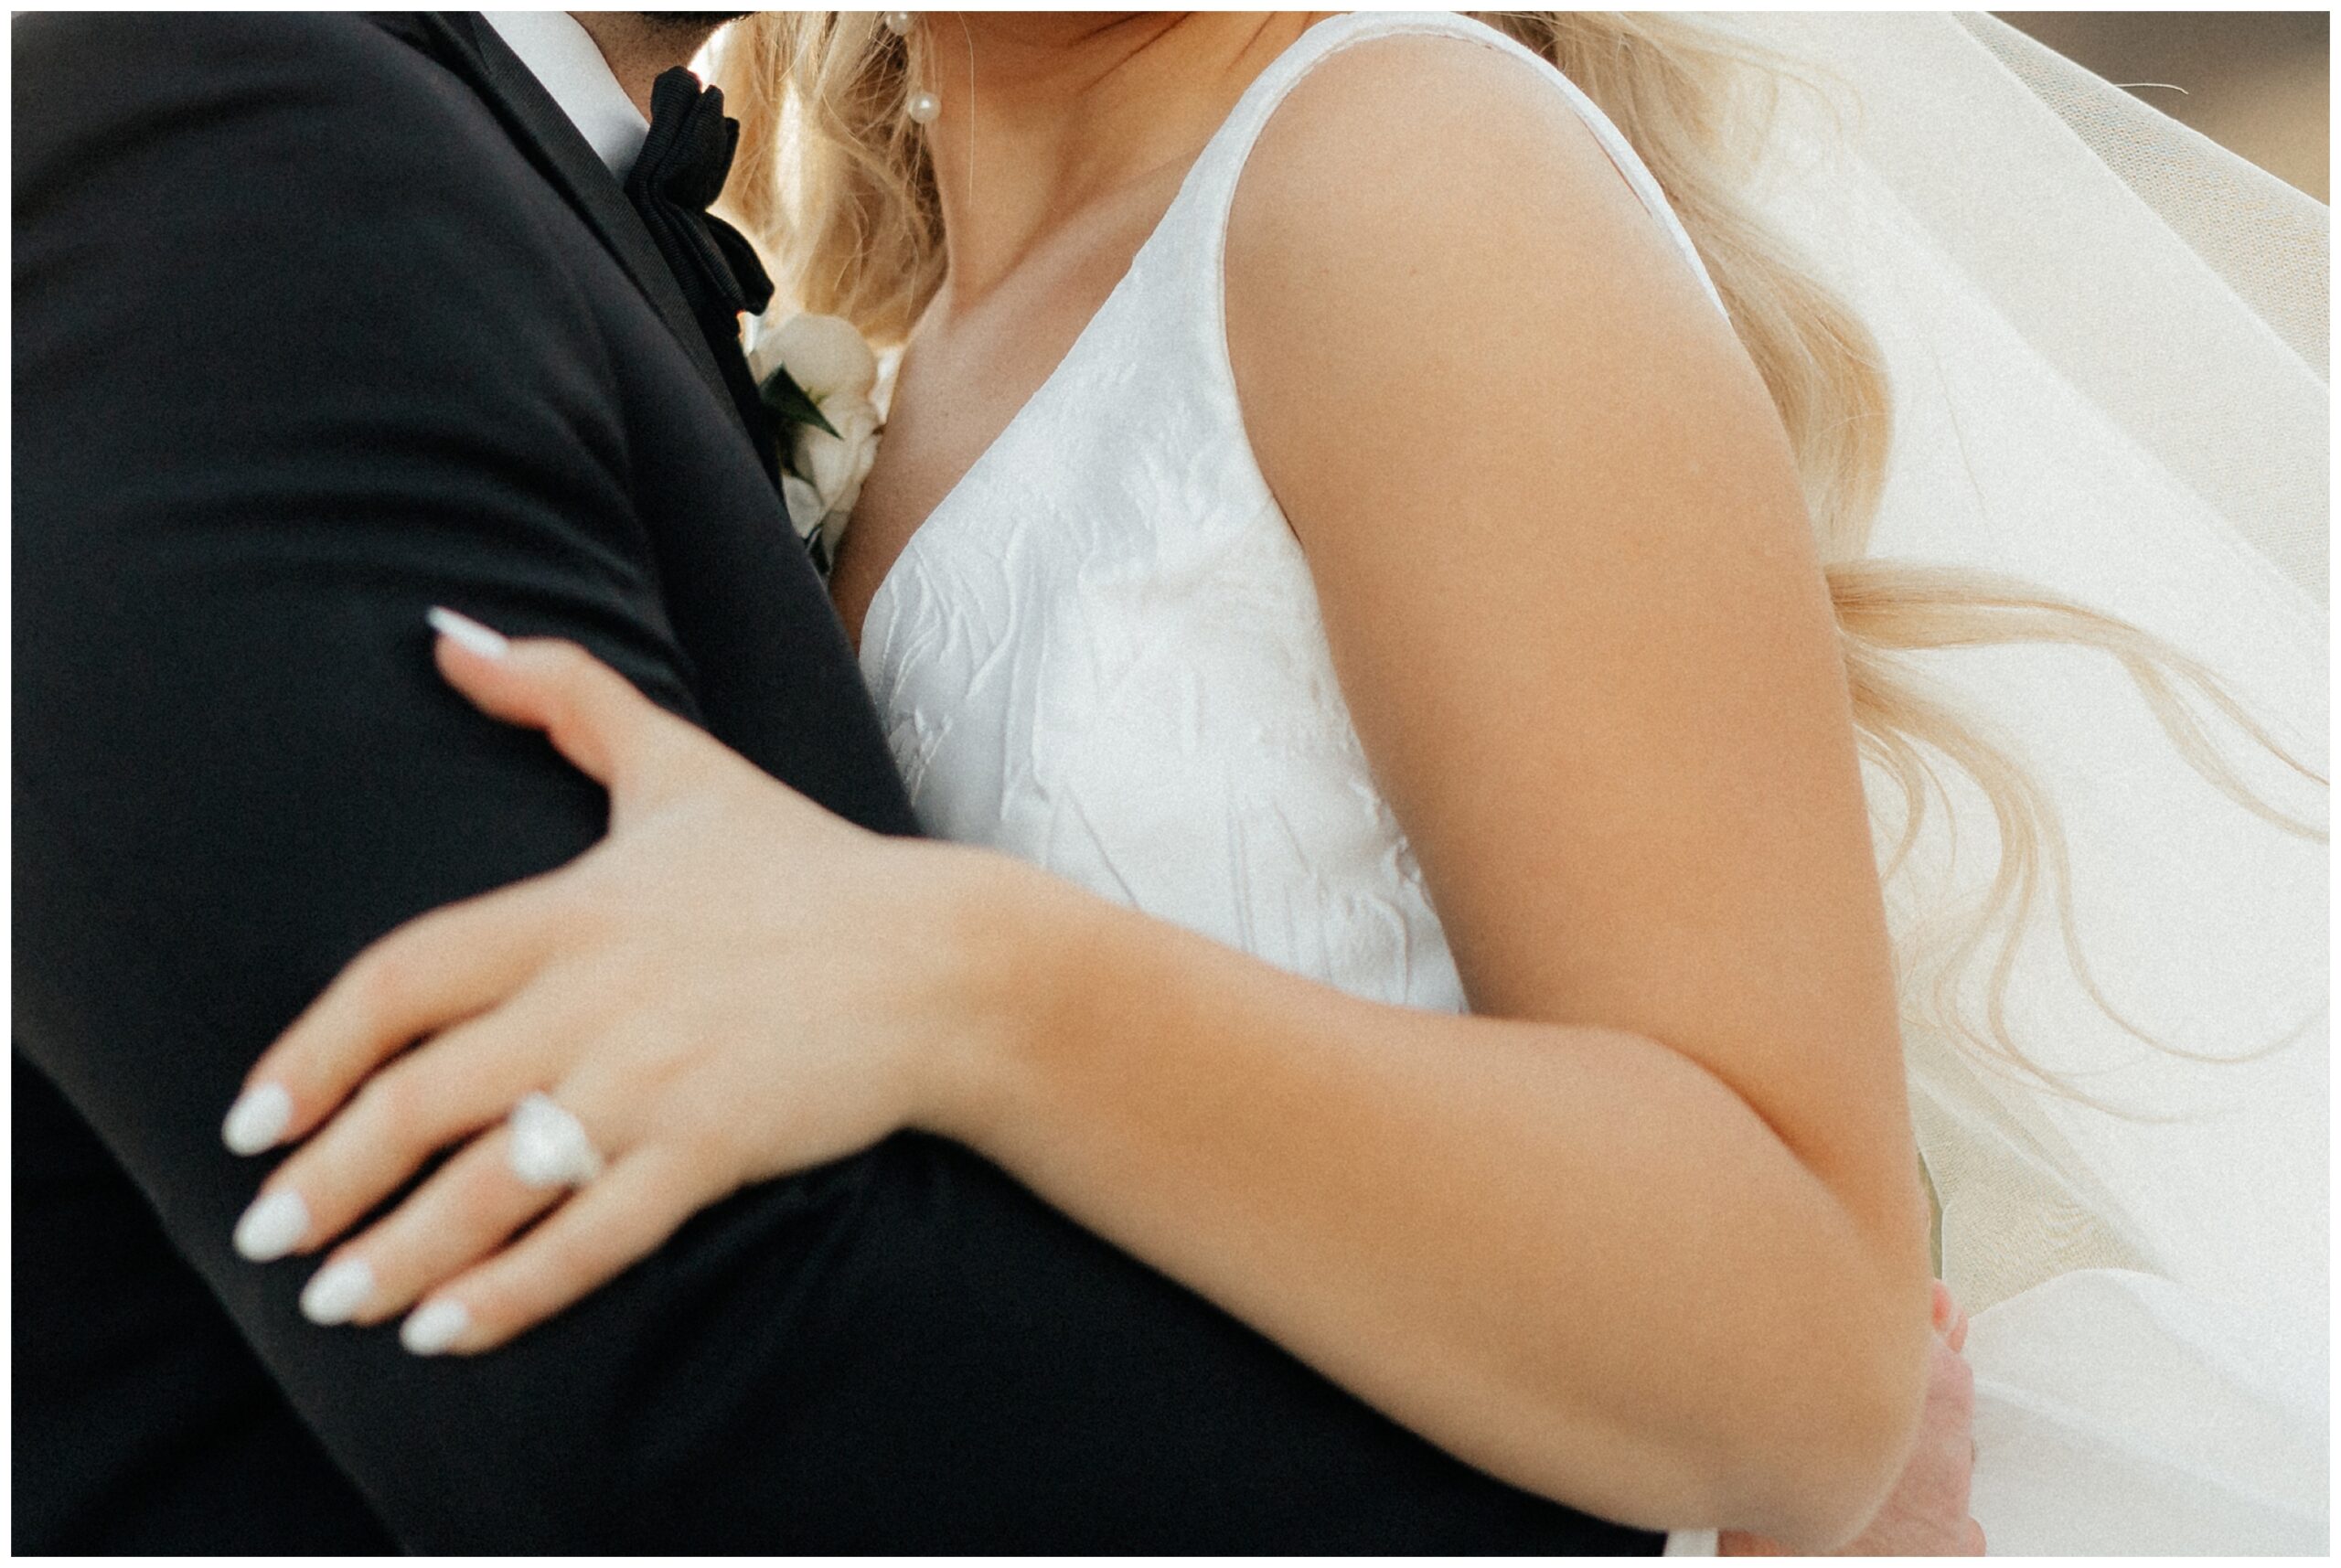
{"x": 1369, "y": 561}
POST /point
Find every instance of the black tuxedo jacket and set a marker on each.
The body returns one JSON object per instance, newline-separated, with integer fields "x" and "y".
{"x": 319, "y": 322}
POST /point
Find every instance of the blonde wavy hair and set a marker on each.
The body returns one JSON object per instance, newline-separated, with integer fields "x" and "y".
{"x": 855, "y": 228}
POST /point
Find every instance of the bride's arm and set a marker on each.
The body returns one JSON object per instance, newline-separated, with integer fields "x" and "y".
{"x": 1566, "y": 1253}
{"x": 1638, "y": 1237}
{"x": 1640, "y": 1234}
{"x": 1570, "y": 587}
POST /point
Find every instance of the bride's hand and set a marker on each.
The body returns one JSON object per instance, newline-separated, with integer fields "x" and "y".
{"x": 1926, "y": 1514}
{"x": 733, "y": 985}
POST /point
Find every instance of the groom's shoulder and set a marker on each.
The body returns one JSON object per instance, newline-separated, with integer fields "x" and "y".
{"x": 292, "y": 184}
{"x": 106, "y": 54}
{"x": 326, "y": 144}
{"x": 163, "y": 74}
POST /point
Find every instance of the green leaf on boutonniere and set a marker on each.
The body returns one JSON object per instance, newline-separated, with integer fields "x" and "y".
{"x": 787, "y": 403}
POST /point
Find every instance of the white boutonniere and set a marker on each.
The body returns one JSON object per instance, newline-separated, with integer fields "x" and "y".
{"x": 816, "y": 375}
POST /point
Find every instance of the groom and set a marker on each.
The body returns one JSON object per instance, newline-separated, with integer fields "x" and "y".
{"x": 321, "y": 321}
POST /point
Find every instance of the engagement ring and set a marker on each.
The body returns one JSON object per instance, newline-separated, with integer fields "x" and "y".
{"x": 549, "y": 1147}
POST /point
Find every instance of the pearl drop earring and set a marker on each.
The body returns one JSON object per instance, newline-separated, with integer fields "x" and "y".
{"x": 924, "y": 108}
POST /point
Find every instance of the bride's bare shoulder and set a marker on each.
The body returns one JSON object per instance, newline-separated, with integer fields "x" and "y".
{"x": 1418, "y": 156}
{"x": 1427, "y": 235}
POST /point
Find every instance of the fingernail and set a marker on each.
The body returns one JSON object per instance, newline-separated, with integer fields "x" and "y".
{"x": 337, "y": 1292}
{"x": 273, "y": 1227}
{"x": 466, "y": 633}
{"x": 434, "y": 1325}
{"x": 258, "y": 1118}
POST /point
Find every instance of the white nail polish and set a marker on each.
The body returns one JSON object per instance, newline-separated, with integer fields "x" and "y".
{"x": 273, "y": 1227}
{"x": 465, "y": 632}
{"x": 434, "y": 1325}
{"x": 258, "y": 1119}
{"x": 336, "y": 1292}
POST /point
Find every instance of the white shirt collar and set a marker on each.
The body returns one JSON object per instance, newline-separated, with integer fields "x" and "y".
{"x": 562, "y": 56}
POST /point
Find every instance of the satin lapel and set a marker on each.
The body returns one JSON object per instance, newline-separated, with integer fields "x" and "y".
{"x": 466, "y": 46}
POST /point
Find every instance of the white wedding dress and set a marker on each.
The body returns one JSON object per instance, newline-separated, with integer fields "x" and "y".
{"x": 1102, "y": 653}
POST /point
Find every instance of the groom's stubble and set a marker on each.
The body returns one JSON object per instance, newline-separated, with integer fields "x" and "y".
{"x": 638, "y": 45}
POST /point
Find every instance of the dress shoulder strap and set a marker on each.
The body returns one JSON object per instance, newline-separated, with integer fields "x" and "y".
{"x": 1210, "y": 189}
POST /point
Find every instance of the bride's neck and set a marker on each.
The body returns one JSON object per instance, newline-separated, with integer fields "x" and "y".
{"x": 1043, "y": 113}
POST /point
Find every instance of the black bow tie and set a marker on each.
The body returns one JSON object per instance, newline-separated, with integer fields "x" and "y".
{"x": 679, "y": 172}
{"x": 676, "y": 178}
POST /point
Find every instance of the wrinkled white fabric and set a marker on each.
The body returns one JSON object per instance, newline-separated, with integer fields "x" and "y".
{"x": 1102, "y": 653}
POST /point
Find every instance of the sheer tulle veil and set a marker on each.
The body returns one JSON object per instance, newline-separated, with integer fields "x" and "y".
{"x": 2107, "y": 344}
